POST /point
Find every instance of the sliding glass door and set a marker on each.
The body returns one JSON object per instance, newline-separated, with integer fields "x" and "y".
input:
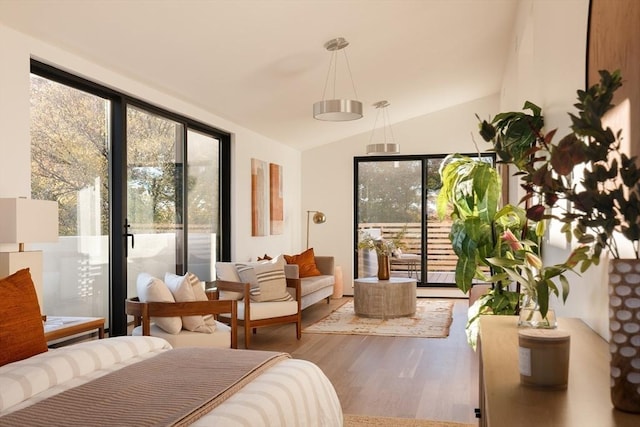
{"x": 138, "y": 188}
{"x": 395, "y": 198}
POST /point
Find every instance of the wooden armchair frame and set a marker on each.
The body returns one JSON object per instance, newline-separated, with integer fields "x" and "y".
{"x": 249, "y": 325}
{"x": 142, "y": 312}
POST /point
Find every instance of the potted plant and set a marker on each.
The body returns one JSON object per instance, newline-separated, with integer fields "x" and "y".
{"x": 601, "y": 210}
{"x": 470, "y": 194}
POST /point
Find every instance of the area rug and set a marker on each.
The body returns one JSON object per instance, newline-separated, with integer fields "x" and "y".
{"x": 432, "y": 320}
{"x": 371, "y": 421}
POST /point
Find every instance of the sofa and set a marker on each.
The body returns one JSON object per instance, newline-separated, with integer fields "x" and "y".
{"x": 314, "y": 288}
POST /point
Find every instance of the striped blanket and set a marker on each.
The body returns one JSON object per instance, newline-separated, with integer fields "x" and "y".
{"x": 174, "y": 388}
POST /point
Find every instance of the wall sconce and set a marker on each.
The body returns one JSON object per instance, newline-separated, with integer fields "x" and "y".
{"x": 318, "y": 218}
{"x": 27, "y": 221}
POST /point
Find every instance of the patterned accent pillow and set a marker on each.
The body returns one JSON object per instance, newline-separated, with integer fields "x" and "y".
{"x": 267, "y": 279}
{"x": 21, "y": 328}
{"x": 201, "y": 295}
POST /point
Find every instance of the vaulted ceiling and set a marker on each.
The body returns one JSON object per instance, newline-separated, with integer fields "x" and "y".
{"x": 262, "y": 64}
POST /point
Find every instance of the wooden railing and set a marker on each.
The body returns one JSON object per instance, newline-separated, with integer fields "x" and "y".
{"x": 439, "y": 253}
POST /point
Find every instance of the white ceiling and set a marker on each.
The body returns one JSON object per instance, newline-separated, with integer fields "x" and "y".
{"x": 262, "y": 64}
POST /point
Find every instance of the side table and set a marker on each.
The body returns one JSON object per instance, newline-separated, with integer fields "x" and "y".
{"x": 384, "y": 299}
{"x": 57, "y": 327}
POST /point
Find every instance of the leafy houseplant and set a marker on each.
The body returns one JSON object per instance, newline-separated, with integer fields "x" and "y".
{"x": 606, "y": 200}
{"x": 601, "y": 210}
{"x": 471, "y": 189}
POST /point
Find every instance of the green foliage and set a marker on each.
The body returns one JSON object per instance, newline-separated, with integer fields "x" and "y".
{"x": 389, "y": 192}
{"x": 471, "y": 190}
{"x": 606, "y": 199}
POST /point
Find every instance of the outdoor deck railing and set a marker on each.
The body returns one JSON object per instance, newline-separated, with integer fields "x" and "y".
{"x": 439, "y": 255}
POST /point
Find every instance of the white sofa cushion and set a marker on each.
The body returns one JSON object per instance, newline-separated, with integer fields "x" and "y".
{"x": 227, "y": 271}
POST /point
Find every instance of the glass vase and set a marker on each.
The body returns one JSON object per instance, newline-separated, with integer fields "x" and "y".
{"x": 530, "y": 316}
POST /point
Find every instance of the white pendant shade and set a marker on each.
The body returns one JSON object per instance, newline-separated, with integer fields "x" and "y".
{"x": 337, "y": 110}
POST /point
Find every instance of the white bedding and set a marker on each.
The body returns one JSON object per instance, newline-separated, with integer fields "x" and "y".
{"x": 291, "y": 393}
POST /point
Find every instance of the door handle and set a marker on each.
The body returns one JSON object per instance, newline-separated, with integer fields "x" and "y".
{"x": 126, "y": 238}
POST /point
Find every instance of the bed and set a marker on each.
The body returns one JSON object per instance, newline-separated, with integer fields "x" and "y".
{"x": 142, "y": 381}
{"x": 289, "y": 392}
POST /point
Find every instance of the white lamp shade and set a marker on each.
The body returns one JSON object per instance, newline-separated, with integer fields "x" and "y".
{"x": 28, "y": 221}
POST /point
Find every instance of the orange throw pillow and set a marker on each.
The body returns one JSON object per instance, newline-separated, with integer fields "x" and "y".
{"x": 21, "y": 328}
{"x": 306, "y": 262}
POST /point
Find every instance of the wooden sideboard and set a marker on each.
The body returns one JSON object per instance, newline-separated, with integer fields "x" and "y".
{"x": 586, "y": 401}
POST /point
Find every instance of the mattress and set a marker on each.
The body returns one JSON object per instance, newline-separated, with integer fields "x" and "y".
{"x": 291, "y": 393}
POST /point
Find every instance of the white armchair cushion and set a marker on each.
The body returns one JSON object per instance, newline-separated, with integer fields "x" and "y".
{"x": 268, "y": 310}
{"x": 152, "y": 289}
{"x": 182, "y": 290}
{"x": 220, "y": 338}
{"x": 227, "y": 271}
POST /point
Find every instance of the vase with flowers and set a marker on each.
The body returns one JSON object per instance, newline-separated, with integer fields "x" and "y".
{"x": 384, "y": 249}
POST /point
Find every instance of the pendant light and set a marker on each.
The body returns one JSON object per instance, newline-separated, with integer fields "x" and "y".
{"x": 337, "y": 109}
{"x": 388, "y": 144}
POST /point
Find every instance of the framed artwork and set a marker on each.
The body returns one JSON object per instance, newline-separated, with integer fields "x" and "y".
{"x": 259, "y": 198}
{"x": 276, "y": 205}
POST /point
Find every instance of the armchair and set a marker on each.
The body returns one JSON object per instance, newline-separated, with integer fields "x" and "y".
{"x": 255, "y": 314}
{"x": 223, "y": 336}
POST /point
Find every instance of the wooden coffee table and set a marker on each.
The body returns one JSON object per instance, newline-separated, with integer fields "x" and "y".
{"x": 384, "y": 299}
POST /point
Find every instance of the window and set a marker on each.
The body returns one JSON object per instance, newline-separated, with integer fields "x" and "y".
{"x": 138, "y": 188}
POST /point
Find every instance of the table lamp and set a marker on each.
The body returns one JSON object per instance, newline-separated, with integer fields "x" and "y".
{"x": 27, "y": 221}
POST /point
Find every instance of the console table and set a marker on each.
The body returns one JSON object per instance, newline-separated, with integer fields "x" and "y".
{"x": 585, "y": 402}
{"x": 384, "y": 299}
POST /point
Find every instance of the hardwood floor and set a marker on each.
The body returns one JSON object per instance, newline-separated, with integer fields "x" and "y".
{"x": 424, "y": 378}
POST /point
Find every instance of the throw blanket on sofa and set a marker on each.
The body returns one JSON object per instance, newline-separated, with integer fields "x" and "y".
{"x": 175, "y": 387}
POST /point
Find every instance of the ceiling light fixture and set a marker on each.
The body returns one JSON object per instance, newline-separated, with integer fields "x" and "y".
{"x": 337, "y": 110}
{"x": 388, "y": 145}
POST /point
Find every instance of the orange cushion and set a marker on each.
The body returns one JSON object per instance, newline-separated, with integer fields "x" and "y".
{"x": 306, "y": 263}
{"x": 21, "y": 328}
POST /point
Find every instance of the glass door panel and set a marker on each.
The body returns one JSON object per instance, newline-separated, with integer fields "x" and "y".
{"x": 154, "y": 195}
{"x": 70, "y": 150}
{"x": 203, "y": 208}
{"x": 389, "y": 195}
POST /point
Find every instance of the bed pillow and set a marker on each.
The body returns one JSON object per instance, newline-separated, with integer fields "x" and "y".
{"x": 152, "y": 289}
{"x": 267, "y": 279}
{"x": 306, "y": 262}
{"x": 182, "y": 291}
{"x": 21, "y": 328}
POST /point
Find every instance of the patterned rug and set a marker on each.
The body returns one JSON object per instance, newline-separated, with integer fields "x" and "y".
{"x": 432, "y": 320}
{"x": 371, "y": 421}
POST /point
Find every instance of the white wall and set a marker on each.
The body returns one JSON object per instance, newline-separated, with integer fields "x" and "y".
{"x": 547, "y": 65}
{"x": 16, "y": 50}
{"x": 327, "y": 172}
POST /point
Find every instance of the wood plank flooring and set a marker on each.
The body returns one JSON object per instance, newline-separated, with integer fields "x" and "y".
{"x": 424, "y": 378}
